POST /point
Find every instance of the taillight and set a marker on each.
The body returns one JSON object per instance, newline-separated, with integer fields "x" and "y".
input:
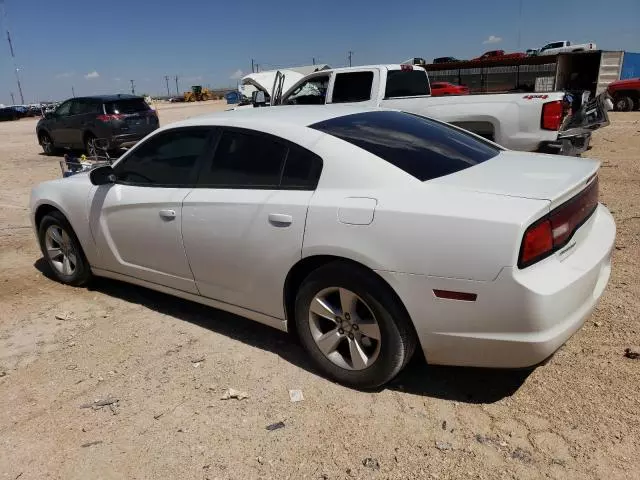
{"x": 108, "y": 118}
{"x": 554, "y": 231}
{"x": 536, "y": 244}
{"x": 552, "y": 115}
{"x": 406, "y": 68}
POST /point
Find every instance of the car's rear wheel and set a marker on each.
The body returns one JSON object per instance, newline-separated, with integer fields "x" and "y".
{"x": 624, "y": 104}
{"x": 90, "y": 145}
{"x": 62, "y": 250}
{"x": 47, "y": 144}
{"x": 352, "y": 325}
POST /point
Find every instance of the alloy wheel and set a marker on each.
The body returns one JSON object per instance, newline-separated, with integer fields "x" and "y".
{"x": 344, "y": 328}
{"x": 60, "y": 250}
{"x": 91, "y": 147}
{"x": 47, "y": 144}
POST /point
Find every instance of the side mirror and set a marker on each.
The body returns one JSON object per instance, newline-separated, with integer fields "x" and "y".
{"x": 102, "y": 175}
{"x": 259, "y": 99}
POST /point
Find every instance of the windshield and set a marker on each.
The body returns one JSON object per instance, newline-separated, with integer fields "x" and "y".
{"x": 423, "y": 148}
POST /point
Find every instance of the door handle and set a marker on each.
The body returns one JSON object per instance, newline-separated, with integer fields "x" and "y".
{"x": 280, "y": 219}
{"x": 167, "y": 214}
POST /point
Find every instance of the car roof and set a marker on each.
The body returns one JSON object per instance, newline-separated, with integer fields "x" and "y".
{"x": 294, "y": 115}
{"x": 110, "y": 98}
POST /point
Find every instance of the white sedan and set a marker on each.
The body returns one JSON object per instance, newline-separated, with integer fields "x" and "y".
{"x": 367, "y": 232}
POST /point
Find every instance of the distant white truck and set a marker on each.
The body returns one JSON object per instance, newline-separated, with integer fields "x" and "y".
{"x": 565, "y": 46}
{"x": 518, "y": 121}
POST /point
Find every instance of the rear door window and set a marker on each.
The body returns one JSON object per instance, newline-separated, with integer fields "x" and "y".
{"x": 301, "y": 170}
{"x": 352, "y": 87}
{"x": 406, "y": 83}
{"x": 126, "y": 106}
{"x": 423, "y": 148}
{"x": 245, "y": 160}
{"x": 255, "y": 160}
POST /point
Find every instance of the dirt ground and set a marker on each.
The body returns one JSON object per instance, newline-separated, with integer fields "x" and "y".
{"x": 168, "y": 361}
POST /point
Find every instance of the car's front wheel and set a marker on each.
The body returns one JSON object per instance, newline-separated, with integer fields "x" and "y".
{"x": 352, "y": 325}
{"x": 62, "y": 250}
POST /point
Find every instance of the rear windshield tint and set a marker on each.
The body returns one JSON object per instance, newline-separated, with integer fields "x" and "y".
{"x": 421, "y": 147}
{"x": 130, "y": 105}
{"x": 409, "y": 83}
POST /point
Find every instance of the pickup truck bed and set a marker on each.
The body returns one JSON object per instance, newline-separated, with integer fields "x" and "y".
{"x": 518, "y": 121}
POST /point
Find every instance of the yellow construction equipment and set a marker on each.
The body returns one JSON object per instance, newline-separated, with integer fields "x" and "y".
{"x": 198, "y": 94}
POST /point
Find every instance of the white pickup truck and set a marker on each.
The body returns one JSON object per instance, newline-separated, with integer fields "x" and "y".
{"x": 518, "y": 121}
{"x": 565, "y": 46}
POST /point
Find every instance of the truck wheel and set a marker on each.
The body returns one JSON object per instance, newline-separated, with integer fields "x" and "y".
{"x": 623, "y": 104}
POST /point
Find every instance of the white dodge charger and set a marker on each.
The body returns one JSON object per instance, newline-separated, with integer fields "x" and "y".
{"x": 367, "y": 232}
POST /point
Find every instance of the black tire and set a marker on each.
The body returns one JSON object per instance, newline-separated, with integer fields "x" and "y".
{"x": 46, "y": 142}
{"x": 623, "y": 103}
{"x": 89, "y": 145}
{"x": 636, "y": 104}
{"x": 81, "y": 273}
{"x": 397, "y": 337}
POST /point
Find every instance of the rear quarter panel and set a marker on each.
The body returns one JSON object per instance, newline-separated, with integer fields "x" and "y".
{"x": 425, "y": 230}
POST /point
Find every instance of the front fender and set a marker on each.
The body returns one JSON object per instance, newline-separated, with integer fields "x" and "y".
{"x": 69, "y": 196}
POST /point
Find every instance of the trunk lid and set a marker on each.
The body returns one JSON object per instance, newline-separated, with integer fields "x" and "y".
{"x": 526, "y": 175}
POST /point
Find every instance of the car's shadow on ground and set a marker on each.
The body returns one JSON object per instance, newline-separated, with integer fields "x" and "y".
{"x": 469, "y": 385}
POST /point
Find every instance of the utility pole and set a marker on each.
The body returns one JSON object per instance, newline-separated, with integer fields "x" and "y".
{"x": 133, "y": 88}
{"x": 177, "y": 89}
{"x": 13, "y": 100}
{"x": 252, "y": 67}
{"x": 166, "y": 79}
{"x": 73, "y": 92}
{"x": 313, "y": 60}
{"x": 350, "y": 54}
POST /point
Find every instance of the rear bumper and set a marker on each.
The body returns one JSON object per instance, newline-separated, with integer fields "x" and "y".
{"x": 571, "y": 146}
{"x": 523, "y": 316}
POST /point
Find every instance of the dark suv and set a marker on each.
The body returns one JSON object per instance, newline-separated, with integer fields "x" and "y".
{"x": 117, "y": 120}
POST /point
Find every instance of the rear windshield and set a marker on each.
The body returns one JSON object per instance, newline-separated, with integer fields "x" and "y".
{"x": 129, "y": 105}
{"x": 421, "y": 147}
{"x": 406, "y": 83}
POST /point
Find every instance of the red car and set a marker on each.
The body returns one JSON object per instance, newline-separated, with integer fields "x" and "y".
{"x": 439, "y": 89}
{"x": 626, "y": 94}
{"x": 499, "y": 55}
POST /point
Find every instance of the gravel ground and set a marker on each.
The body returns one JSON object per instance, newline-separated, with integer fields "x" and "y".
{"x": 167, "y": 362}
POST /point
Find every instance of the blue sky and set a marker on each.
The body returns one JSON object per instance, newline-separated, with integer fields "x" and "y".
{"x": 98, "y": 46}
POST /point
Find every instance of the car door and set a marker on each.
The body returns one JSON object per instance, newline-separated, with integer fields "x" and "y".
{"x": 76, "y": 120}
{"x": 137, "y": 221}
{"x": 58, "y": 124}
{"x": 243, "y": 224}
